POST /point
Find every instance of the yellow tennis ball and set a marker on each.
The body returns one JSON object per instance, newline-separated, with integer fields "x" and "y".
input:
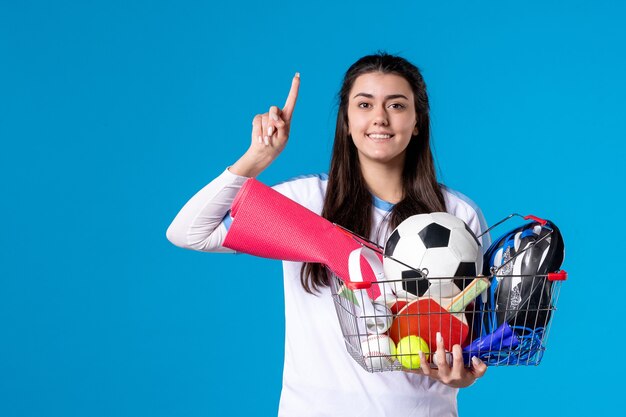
{"x": 408, "y": 351}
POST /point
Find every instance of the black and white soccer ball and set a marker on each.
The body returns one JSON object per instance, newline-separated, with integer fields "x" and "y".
{"x": 441, "y": 245}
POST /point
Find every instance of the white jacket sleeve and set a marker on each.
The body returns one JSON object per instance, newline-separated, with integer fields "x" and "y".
{"x": 200, "y": 223}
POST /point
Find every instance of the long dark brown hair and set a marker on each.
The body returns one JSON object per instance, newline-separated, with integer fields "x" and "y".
{"x": 348, "y": 201}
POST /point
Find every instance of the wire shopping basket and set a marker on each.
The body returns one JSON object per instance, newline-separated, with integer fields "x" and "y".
{"x": 503, "y": 318}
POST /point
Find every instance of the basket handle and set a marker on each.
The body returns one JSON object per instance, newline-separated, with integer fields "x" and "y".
{"x": 537, "y": 219}
{"x": 557, "y": 276}
{"x": 354, "y": 285}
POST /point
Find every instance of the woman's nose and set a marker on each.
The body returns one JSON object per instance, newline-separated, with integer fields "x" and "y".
{"x": 380, "y": 118}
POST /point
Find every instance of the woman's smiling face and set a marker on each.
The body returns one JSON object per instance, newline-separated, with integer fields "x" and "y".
{"x": 381, "y": 117}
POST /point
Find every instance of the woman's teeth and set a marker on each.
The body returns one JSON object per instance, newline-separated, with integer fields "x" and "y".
{"x": 377, "y": 136}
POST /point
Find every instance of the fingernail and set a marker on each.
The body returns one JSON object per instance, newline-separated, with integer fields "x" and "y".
{"x": 297, "y": 74}
{"x": 270, "y": 130}
{"x": 267, "y": 140}
{"x": 439, "y": 338}
{"x": 476, "y": 361}
{"x": 274, "y": 116}
{"x": 260, "y": 139}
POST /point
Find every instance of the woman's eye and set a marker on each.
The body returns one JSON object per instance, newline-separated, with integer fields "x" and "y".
{"x": 364, "y": 105}
{"x": 397, "y": 106}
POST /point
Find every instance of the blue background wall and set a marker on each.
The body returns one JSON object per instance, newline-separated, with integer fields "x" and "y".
{"x": 112, "y": 114}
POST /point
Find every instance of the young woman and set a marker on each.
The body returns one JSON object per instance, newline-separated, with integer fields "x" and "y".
{"x": 381, "y": 172}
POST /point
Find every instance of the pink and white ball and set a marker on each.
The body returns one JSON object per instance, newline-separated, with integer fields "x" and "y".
{"x": 379, "y": 352}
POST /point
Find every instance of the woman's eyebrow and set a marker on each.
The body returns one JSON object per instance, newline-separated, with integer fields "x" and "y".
{"x": 389, "y": 97}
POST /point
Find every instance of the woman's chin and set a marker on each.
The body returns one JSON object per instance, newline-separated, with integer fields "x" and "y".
{"x": 385, "y": 158}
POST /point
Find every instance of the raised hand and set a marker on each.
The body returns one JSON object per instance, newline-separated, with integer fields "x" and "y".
{"x": 270, "y": 132}
{"x": 272, "y": 128}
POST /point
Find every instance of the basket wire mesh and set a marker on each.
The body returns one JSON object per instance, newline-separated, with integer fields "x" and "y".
{"x": 521, "y": 340}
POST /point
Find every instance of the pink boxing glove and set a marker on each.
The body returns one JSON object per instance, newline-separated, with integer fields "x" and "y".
{"x": 270, "y": 225}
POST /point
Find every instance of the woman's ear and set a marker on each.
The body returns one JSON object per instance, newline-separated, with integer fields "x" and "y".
{"x": 415, "y": 131}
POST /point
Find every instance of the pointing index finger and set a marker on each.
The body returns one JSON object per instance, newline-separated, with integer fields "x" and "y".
{"x": 290, "y": 103}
